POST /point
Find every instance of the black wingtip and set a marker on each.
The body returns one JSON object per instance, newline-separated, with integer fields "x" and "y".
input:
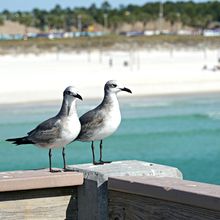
{"x": 19, "y": 141}
{"x": 10, "y": 139}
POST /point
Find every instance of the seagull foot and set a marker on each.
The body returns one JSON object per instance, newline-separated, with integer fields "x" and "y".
{"x": 67, "y": 170}
{"x": 55, "y": 171}
{"x": 97, "y": 163}
{"x": 102, "y": 161}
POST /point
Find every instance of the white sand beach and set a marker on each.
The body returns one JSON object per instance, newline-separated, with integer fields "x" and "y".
{"x": 30, "y": 78}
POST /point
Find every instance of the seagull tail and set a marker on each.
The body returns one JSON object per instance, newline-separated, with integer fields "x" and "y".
{"x": 19, "y": 141}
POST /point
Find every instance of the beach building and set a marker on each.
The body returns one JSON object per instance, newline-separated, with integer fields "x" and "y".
{"x": 13, "y": 30}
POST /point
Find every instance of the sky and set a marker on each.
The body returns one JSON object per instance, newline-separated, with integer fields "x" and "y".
{"x": 28, "y": 5}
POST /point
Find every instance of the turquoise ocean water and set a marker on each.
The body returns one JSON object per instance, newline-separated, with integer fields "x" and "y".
{"x": 181, "y": 131}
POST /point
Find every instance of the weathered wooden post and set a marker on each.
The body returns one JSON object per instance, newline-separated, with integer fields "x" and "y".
{"x": 93, "y": 194}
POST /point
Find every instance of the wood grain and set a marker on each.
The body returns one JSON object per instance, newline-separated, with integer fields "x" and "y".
{"x": 192, "y": 193}
{"x": 126, "y": 206}
{"x": 56, "y": 203}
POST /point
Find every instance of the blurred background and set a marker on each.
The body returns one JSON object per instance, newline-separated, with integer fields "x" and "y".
{"x": 166, "y": 52}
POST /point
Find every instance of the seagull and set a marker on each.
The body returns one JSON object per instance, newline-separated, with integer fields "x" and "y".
{"x": 103, "y": 120}
{"x": 57, "y": 131}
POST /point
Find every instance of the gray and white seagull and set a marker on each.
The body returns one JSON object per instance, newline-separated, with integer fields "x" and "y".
{"x": 104, "y": 120}
{"x": 57, "y": 131}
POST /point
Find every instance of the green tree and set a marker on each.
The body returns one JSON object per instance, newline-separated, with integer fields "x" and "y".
{"x": 40, "y": 18}
{"x": 115, "y": 21}
{"x": 105, "y": 7}
{"x": 69, "y": 19}
{"x": 7, "y": 14}
{"x": 172, "y": 17}
{"x": 1, "y": 20}
{"x": 195, "y": 14}
{"x": 26, "y": 19}
{"x": 92, "y": 10}
{"x": 185, "y": 19}
{"x": 57, "y": 10}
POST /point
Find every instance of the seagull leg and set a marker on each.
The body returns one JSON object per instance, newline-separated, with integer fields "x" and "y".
{"x": 93, "y": 156}
{"x": 100, "y": 148}
{"x": 100, "y": 159}
{"x": 64, "y": 159}
{"x": 65, "y": 169}
{"x": 50, "y": 155}
{"x": 51, "y": 170}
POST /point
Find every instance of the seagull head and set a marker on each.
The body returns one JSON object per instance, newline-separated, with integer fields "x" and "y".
{"x": 112, "y": 86}
{"x": 71, "y": 93}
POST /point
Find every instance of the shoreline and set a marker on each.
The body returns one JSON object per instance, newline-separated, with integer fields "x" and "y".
{"x": 121, "y": 98}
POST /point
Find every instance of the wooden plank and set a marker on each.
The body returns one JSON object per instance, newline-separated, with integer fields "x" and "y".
{"x": 126, "y": 206}
{"x": 180, "y": 191}
{"x": 37, "y": 193}
{"x": 54, "y": 203}
{"x": 38, "y": 179}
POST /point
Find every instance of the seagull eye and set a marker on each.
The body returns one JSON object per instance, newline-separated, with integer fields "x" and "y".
{"x": 114, "y": 85}
{"x": 68, "y": 92}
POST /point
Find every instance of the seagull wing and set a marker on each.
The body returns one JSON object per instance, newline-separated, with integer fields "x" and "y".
{"x": 90, "y": 121}
{"x": 46, "y": 132}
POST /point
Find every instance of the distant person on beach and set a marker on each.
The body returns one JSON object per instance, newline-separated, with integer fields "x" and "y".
{"x": 110, "y": 62}
{"x": 125, "y": 63}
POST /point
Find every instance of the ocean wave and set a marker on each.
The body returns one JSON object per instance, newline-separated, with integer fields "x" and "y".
{"x": 172, "y": 133}
{"x": 20, "y": 123}
{"x": 150, "y": 105}
{"x": 209, "y": 115}
{"x": 174, "y": 116}
{"x": 214, "y": 115}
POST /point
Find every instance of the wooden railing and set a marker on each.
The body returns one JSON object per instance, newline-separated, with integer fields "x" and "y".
{"x": 39, "y": 195}
{"x": 138, "y": 198}
{"x": 130, "y": 190}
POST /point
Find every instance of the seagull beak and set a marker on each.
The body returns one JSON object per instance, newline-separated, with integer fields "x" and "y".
{"x": 126, "y": 90}
{"x": 78, "y": 96}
